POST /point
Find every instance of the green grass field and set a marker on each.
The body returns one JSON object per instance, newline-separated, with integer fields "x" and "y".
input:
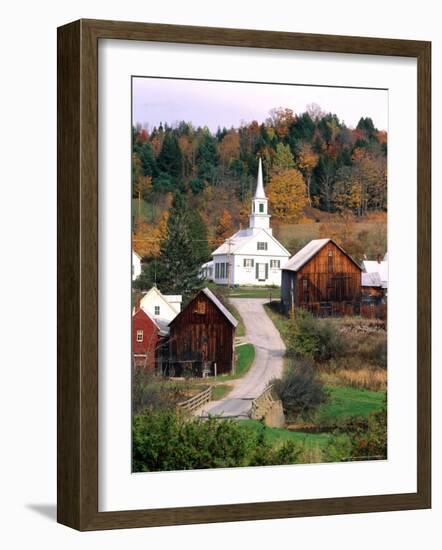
{"x": 275, "y": 436}
{"x": 349, "y": 402}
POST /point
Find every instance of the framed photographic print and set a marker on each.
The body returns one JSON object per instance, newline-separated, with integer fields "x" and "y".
{"x": 243, "y": 275}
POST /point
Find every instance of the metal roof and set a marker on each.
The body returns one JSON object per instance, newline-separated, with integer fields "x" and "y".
{"x": 305, "y": 254}
{"x": 373, "y": 266}
{"x": 310, "y": 250}
{"x": 220, "y": 306}
{"x": 371, "y": 279}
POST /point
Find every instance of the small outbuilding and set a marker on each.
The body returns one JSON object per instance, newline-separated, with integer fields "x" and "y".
{"x": 323, "y": 279}
{"x": 202, "y": 337}
{"x": 149, "y": 341}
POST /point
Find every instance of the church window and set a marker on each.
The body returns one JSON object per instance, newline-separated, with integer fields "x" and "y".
{"x": 262, "y": 246}
{"x": 275, "y": 264}
{"x": 248, "y": 262}
{"x": 261, "y": 207}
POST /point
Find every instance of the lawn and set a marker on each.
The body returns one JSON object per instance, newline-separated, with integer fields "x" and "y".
{"x": 273, "y": 293}
{"x": 245, "y": 356}
{"x": 347, "y": 402}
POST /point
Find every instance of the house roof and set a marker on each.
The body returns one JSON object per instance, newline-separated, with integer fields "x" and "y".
{"x": 373, "y": 266}
{"x": 241, "y": 238}
{"x": 371, "y": 279}
{"x": 308, "y": 251}
{"x": 160, "y": 324}
{"x": 173, "y": 298}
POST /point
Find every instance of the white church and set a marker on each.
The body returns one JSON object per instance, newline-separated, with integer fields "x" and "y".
{"x": 251, "y": 256}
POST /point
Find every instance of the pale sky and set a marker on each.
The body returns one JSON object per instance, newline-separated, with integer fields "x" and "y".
{"x": 213, "y": 104}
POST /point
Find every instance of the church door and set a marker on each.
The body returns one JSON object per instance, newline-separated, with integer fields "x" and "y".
{"x": 262, "y": 271}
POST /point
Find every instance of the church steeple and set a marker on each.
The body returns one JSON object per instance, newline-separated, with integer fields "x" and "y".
{"x": 259, "y": 218}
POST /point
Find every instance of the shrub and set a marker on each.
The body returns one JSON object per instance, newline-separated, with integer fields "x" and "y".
{"x": 308, "y": 336}
{"x": 299, "y": 389}
{"x": 166, "y": 440}
{"x": 150, "y": 391}
{"x": 360, "y": 439}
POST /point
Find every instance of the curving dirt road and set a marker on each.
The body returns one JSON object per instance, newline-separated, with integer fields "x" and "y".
{"x": 268, "y": 363}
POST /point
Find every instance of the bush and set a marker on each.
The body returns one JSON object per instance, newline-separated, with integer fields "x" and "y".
{"x": 299, "y": 389}
{"x": 308, "y": 336}
{"x": 359, "y": 439}
{"x": 167, "y": 440}
{"x": 150, "y": 391}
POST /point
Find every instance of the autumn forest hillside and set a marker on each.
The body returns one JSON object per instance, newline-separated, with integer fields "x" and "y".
{"x": 321, "y": 177}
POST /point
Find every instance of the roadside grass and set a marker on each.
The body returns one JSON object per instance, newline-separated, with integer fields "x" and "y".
{"x": 245, "y": 357}
{"x": 240, "y": 329}
{"x": 220, "y": 390}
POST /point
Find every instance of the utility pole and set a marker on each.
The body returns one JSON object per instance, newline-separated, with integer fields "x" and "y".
{"x": 229, "y": 243}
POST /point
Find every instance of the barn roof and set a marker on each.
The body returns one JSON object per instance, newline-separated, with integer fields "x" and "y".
{"x": 216, "y": 302}
{"x": 308, "y": 252}
{"x": 220, "y": 306}
{"x": 371, "y": 279}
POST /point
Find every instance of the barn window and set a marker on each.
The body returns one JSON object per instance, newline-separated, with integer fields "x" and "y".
{"x": 262, "y": 246}
{"x": 140, "y": 335}
{"x": 305, "y": 284}
{"x": 157, "y": 310}
{"x": 200, "y": 307}
{"x": 275, "y": 264}
{"x": 248, "y": 262}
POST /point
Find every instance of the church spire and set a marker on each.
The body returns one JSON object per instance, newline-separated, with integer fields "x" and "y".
{"x": 259, "y": 218}
{"x": 259, "y": 193}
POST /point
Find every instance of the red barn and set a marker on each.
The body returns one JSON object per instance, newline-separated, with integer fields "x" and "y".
{"x": 148, "y": 341}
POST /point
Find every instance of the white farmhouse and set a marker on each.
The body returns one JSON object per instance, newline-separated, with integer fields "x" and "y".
{"x": 251, "y": 256}
{"x": 136, "y": 265}
{"x": 161, "y": 307}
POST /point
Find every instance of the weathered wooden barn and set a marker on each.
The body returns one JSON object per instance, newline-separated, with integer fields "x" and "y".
{"x": 202, "y": 337}
{"x": 323, "y": 279}
{"x": 149, "y": 341}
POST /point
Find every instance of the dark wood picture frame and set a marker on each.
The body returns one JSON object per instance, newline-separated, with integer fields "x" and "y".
{"x": 77, "y": 227}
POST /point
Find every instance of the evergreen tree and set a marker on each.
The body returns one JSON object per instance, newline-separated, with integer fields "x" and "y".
{"x": 170, "y": 160}
{"x": 198, "y": 236}
{"x": 180, "y": 262}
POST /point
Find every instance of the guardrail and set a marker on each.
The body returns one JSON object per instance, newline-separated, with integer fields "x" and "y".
{"x": 262, "y": 404}
{"x": 197, "y": 401}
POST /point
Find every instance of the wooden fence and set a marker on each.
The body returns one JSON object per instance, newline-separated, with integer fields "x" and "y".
{"x": 262, "y": 404}
{"x": 197, "y": 401}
